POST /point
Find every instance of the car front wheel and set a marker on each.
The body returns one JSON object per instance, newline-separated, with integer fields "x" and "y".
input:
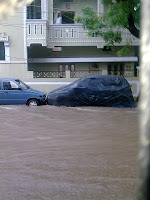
{"x": 33, "y": 102}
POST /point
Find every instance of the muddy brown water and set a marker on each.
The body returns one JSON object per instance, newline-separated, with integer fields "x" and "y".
{"x": 60, "y": 153}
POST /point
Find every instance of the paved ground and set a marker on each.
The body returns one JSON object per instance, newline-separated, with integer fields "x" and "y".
{"x": 52, "y": 153}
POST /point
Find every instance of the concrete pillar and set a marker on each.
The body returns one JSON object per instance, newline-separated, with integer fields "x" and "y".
{"x": 50, "y": 12}
{"x": 67, "y": 74}
{"x": 144, "y": 150}
{"x": 7, "y": 53}
{"x": 45, "y": 9}
{"x": 104, "y": 72}
{"x": 100, "y": 7}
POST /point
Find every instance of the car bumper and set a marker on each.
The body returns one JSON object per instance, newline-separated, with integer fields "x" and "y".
{"x": 43, "y": 101}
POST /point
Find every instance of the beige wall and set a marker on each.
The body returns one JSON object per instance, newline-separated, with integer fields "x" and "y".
{"x": 14, "y": 71}
{"x": 14, "y": 27}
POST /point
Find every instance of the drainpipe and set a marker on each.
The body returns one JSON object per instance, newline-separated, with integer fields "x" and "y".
{"x": 144, "y": 138}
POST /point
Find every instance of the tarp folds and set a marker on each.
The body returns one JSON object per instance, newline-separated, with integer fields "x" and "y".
{"x": 101, "y": 90}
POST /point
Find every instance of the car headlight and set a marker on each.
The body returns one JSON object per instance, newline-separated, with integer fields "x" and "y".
{"x": 44, "y": 96}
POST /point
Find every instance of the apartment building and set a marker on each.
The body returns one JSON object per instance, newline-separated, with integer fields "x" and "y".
{"x": 48, "y": 53}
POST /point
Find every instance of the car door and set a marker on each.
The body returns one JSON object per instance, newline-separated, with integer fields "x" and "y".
{"x": 12, "y": 93}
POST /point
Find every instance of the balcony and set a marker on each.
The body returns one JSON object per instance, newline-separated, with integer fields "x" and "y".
{"x": 39, "y": 32}
{"x": 76, "y": 35}
{"x": 36, "y": 31}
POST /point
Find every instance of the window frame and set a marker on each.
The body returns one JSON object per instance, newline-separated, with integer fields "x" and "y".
{"x": 65, "y": 16}
{"x": 3, "y": 52}
{"x": 33, "y": 10}
{"x": 12, "y": 84}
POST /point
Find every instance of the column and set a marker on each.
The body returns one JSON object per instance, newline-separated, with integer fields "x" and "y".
{"x": 50, "y": 12}
{"x": 7, "y": 53}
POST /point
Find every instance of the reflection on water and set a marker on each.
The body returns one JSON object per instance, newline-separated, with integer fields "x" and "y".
{"x": 60, "y": 153}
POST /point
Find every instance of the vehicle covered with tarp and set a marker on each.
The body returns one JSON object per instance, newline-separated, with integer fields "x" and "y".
{"x": 95, "y": 90}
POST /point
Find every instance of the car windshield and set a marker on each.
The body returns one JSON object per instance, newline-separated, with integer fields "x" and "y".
{"x": 22, "y": 84}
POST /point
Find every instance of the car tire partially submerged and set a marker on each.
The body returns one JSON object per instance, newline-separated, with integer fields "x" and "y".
{"x": 33, "y": 102}
{"x": 101, "y": 90}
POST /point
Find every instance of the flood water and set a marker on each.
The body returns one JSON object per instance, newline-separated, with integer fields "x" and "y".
{"x": 60, "y": 153}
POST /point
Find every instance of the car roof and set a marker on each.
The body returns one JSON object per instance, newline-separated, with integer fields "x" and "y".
{"x": 7, "y": 79}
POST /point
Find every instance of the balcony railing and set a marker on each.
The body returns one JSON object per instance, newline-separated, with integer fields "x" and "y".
{"x": 80, "y": 74}
{"x": 36, "y": 31}
{"x": 49, "y": 74}
{"x": 132, "y": 73}
{"x": 76, "y": 35}
{"x": 57, "y": 74}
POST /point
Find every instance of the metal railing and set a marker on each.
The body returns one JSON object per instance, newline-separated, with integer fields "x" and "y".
{"x": 132, "y": 73}
{"x": 49, "y": 74}
{"x": 82, "y": 73}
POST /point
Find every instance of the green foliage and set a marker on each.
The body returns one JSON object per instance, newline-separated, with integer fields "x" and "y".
{"x": 123, "y": 51}
{"x": 97, "y": 26}
{"x": 119, "y": 10}
{"x": 111, "y": 37}
{"x": 90, "y": 20}
{"x": 116, "y": 15}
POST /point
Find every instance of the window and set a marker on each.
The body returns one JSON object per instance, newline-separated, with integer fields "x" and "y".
{"x": 2, "y": 51}
{"x": 22, "y": 84}
{"x": 34, "y": 10}
{"x": 67, "y": 17}
{"x": 10, "y": 85}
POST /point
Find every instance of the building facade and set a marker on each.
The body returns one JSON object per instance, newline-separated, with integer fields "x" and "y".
{"x": 48, "y": 53}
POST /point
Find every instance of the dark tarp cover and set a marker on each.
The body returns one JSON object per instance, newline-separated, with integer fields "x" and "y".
{"x": 101, "y": 90}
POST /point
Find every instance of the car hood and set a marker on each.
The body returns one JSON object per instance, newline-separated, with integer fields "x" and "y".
{"x": 36, "y": 91}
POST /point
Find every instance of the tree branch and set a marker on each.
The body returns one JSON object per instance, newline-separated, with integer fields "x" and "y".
{"x": 132, "y": 28}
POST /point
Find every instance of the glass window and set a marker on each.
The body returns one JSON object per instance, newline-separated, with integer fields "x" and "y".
{"x": 68, "y": 17}
{"x": 2, "y": 51}
{"x": 13, "y": 85}
{"x": 22, "y": 84}
{"x": 10, "y": 85}
{"x": 7, "y": 85}
{"x": 34, "y": 10}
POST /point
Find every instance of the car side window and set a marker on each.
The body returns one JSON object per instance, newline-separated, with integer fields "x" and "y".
{"x": 6, "y": 85}
{"x": 13, "y": 85}
{"x": 10, "y": 85}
